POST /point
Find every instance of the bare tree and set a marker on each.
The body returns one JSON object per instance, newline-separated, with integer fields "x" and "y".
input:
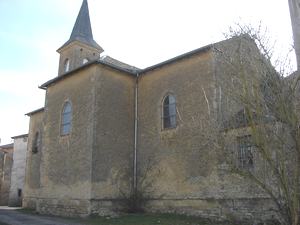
{"x": 270, "y": 109}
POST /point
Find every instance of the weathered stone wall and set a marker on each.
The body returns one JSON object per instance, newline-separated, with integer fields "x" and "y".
{"x": 6, "y": 161}
{"x": 187, "y": 172}
{"x": 94, "y": 161}
{"x": 64, "y": 207}
{"x": 33, "y": 161}
{"x": 236, "y": 209}
{"x": 238, "y": 65}
{"x": 67, "y": 159}
{"x": 183, "y": 159}
{"x": 114, "y": 137}
{"x": 179, "y": 170}
{"x": 76, "y": 52}
{"x": 18, "y": 171}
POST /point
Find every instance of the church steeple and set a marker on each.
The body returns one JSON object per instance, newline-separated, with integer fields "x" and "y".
{"x": 81, "y": 46}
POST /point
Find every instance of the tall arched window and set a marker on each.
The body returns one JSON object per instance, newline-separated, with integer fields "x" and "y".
{"x": 36, "y": 143}
{"x": 66, "y": 119}
{"x": 67, "y": 65}
{"x": 169, "y": 112}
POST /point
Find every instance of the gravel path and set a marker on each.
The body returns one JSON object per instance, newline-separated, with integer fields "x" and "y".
{"x": 12, "y": 217}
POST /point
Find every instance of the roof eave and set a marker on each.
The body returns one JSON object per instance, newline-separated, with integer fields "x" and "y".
{"x": 35, "y": 111}
{"x": 65, "y": 75}
{"x": 19, "y": 136}
{"x": 175, "y": 59}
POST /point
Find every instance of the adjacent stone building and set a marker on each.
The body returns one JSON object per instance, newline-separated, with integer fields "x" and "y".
{"x": 109, "y": 130}
{"x": 18, "y": 170}
{"x": 6, "y": 160}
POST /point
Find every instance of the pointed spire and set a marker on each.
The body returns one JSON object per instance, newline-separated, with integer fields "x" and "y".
{"x": 82, "y": 30}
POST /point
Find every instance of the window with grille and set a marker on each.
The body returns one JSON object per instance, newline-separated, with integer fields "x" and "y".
{"x": 169, "y": 112}
{"x": 245, "y": 151}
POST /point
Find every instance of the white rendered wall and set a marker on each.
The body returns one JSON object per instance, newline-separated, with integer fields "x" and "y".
{"x": 18, "y": 172}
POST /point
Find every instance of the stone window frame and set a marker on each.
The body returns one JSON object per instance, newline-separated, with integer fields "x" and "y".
{"x": 245, "y": 152}
{"x": 166, "y": 118}
{"x": 66, "y": 122}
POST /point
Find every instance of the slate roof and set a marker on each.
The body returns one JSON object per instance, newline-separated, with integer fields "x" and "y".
{"x": 35, "y": 111}
{"x": 82, "y": 30}
{"x": 118, "y": 63}
{"x": 123, "y": 67}
{"x": 20, "y": 136}
{"x": 7, "y": 146}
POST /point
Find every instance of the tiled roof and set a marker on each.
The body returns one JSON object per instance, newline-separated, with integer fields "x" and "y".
{"x": 82, "y": 30}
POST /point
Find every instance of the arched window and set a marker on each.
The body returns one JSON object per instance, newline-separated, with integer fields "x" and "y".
{"x": 66, "y": 119}
{"x": 84, "y": 61}
{"x": 67, "y": 65}
{"x": 169, "y": 112}
{"x": 36, "y": 143}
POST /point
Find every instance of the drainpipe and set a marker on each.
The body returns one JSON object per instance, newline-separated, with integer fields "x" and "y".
{"x": 135, "y": 135}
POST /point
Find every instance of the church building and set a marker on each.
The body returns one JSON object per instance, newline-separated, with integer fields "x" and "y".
{"x": 109, "y": 130}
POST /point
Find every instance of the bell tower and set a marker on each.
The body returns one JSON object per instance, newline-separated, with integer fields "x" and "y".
{"x": 295, "y": 18}
{"x": 81, "y": 47}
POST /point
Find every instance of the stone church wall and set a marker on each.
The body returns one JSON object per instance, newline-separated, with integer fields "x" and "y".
{"x": 66, "y": 160}
{"x": 33, "y": 162}
{"x": 66, "y": 180}
{"x": 187, "y": 163}
{"x": 114, "y": 138}
{"x": 183, "y": 159}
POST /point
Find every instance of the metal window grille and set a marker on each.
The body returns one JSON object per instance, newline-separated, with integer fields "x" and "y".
{"x": 245, "y": 151}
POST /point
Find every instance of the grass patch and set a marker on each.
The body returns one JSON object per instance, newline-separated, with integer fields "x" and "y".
{"x": 149, "y": 219}
{"x": 28, "y": 211}
{"x": 136, "y": 219}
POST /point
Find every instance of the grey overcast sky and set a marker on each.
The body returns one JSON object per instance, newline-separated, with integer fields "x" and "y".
{"x": 138, "y": 32}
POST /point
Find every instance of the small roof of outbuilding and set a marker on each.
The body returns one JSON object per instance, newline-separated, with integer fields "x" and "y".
{"x": 8, "y": 146}
{"x": 35, "y": 111}
{"x": 20, "y": 136}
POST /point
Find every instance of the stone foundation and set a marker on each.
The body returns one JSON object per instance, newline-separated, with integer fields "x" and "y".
{"x": 29, "y": 203}
{"x": 59, "y": 207}
{"x": 103, "y": 207}
{"x": 219, "y": 209}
